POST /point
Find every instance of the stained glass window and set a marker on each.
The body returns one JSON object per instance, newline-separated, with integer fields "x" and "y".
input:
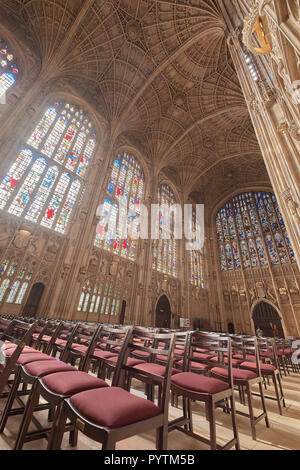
{"x": 121, "y": 208}
{"x": 46, "y": 180}
{"x": 8, "y": 68}
{"x": 101, "y": 297}
{"x": 165, "y": 250}
{"x": 11, "y": 275}
{"x": 251, "y": 233}
{"x": 195, "y": 255}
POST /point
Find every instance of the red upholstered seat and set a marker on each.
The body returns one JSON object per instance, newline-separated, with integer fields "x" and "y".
{"x": 104, "y": 354}
{"x": 196, "y": 365}
{"x": 42, "y": 368}
{"x": 8, "y": 345}
{"x": 26, "y": 358}
{"x": 162, "y": 358}
{"x": 241, "y": 374}
{"x": 265, "y": 368}
{"x": 113, "y": 407}
{"x": 60, "y": 342}
{"x": 203, "y": 351}
{"x": 26, "y": 350}
{"x": 204, "y": 357}
{"x": 46, "y": 338}
{"x": 240, "y": 356}
{"x": 198, "y": 383}
{"x": 235, "y": 362}
{"x": 71, "y": 383}
{"x": 141, "y": 353}
{"x": 131, "y": 361}
{"x": 81, "y": 348}
{"x": 156, "y": 369}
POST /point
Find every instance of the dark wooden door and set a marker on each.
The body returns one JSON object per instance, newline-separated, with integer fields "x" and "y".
{"x": 266, "y": 317}
{"x": 123, "y": 311}
{"x": 33, "y": 301}
{"x": 163, "y": 313}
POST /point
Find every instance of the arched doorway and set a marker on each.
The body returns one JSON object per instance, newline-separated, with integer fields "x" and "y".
{"x": 163, "y": 313}
{"x": 266, "y": 317}
{"x": 33, "y": 300}
{"x": 231, "y": 328}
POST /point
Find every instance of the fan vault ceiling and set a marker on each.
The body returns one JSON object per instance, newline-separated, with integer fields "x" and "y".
{"x": 159, "y": 72}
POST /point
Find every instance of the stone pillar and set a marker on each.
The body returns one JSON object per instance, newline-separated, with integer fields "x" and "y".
{"x": 279, "y": 149}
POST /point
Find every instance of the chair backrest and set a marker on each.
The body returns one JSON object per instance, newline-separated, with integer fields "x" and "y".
{"x": 20, "y": 334}
{"x": 215, "y": 345}
{"x": 86, "y": 337}
{"x": 153, "y": 339}
{"x": 267, "y": 350}
{"x": 248, "y": 348}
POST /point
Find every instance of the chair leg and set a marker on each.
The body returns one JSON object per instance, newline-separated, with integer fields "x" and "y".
{"x": 108, "y": 444}
{"x": 10, "y": 401}
{"x": 58, "y": 429}
{"x": 251, "y": 412}
{"x": 162, "y": 438}
{"x": 212, "y": 424}
{"x": 234, "y": 423}
{"x": 73, "y": 438}
{"x": 32, "y": 401}
{"x": 263, "y": 403}
{"x": 281, "y": 390}
{"x": 277, "y": 393}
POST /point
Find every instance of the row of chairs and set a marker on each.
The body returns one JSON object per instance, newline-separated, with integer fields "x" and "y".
{"x": 197, "y": 366}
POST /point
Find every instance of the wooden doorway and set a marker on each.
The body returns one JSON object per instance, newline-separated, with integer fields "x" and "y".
{"x": 123, "y": 311}
{"x": 33, "y": 301}
{"x": 266, "y": 317}
{"x": 163, "y": 313}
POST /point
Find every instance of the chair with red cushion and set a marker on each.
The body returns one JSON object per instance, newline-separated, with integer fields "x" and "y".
{"x": 156, "y": 346}
{"x": 24, "y": 335}
{"x": 42, "y": 338}
{"x": 208, "y": 390}
{"x": 109, "y": 415}
{"x": 28, "y": 356}
{"x": 111, "y": 343}
{"x": 54, "y": 386}
{"x": 269, "y": 367}
{"x": 245, "y": 380}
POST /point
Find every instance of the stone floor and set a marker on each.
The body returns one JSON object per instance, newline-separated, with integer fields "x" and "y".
{"x": 284, "y": 432}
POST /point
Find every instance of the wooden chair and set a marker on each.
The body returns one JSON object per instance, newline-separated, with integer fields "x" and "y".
{"x": 54, "y": 387}
{"x": 269, "y": 368}
{"x": 111, "y": 343}
{"x": 154, "y": 347}
{"x": 208, "y": 390}
{"x": 109, "y": 415}
{"x": 245, "y": 379}
{"x": 29, "y": 355}
{"x": 15, "y": 338}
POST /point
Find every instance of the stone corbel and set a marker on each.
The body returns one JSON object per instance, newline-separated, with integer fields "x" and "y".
{"x": 256, "y": 23}
{"x": 294, "y": 131}
{"x": 293, "y": 206}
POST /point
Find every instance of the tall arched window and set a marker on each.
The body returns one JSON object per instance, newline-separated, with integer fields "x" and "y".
{"x": 196, "y": 262}
{"x": 45, "y": 181}
{"x": 125, "y": 191}
{"x": 165, "y": 250}
{"x": 252, "y": 233}
{"x": 13, "y": 281}
{"x": 102, "y": 297}
{"x": 8, "y": 68}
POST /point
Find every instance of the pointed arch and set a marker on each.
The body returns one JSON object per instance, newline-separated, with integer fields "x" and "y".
{"x": 251, "y": 232}
{"x": 122, "y": 207}
{"x": 165, "y": 248}
{"x": 37, "y": 186}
